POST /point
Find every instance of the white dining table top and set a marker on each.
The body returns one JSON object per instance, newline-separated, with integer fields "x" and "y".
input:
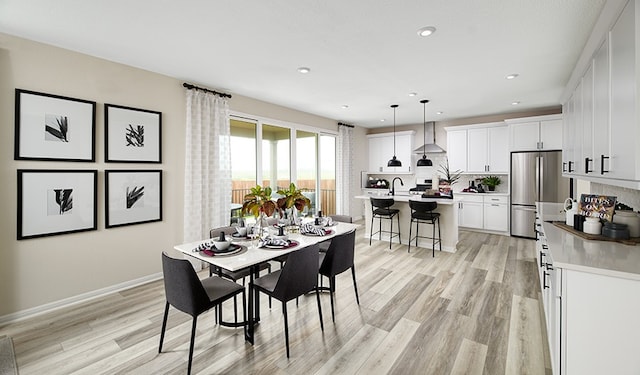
{"x": 251, "y": 255}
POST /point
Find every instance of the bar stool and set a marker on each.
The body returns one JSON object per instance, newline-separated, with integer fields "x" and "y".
{"x": 422, "y": 213}
{"x": 380, "y": 209}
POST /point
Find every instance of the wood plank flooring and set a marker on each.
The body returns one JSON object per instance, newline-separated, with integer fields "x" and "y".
{"x": 473, "y": 312}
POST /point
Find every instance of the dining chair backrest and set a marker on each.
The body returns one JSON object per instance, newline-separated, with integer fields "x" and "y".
{"x": 382, "y": 202}
{"x": 342, "y": 218}
{"x": 299, "y": 274}
{"x": 183, "y": 288}
{"x": 339, "y": 256}
{"x": 215, "y": 232}
{"x": 422, "y": 206}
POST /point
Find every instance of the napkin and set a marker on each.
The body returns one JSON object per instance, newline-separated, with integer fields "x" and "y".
{"x": 204, "y": 246}
{"x": 312, "y": 229}
{"x": 273, "y": 242}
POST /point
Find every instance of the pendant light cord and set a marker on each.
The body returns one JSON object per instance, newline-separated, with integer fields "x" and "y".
{"x": 394, "y": 131}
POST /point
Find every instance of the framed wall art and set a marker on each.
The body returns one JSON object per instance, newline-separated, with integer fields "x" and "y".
{"x": 52, "y": 202}
{"x": 132, "y": 197}
{"x": 132, "y": 135}
{"x": 53, "y": 127}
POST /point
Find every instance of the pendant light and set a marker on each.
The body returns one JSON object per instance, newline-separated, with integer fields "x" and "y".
{"x": 424, "y": 162}
{"x": 394, "y": 162}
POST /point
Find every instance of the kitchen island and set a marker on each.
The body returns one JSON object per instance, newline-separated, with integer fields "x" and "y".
{"x": 448, "y": 209}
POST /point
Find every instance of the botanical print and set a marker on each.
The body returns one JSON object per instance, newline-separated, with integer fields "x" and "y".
{"x": 135, "y": 195}
{"x": 60, "y": 201}
{"x": 56, "y": 128}
{"x": 135, "y": 137}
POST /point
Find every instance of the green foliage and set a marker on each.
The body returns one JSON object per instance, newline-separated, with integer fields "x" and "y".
{"x": 259, "y": 200}
{"x": 292, "y": 197}
{"x": 491, "y": 181}
{"x": 449, "y": 177}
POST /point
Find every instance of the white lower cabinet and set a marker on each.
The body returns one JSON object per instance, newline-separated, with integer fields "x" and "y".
{"x": 484, "y": 212}
{"x": 600, "y": 324}
{"x": 471, "y": 212}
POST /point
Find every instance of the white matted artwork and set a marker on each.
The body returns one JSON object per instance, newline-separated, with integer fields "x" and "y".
{"x": 53, "y": 127}
{"x": 132, "y": 197}
{"x": 52, "y": 202}
{"x": 132, "y": 135}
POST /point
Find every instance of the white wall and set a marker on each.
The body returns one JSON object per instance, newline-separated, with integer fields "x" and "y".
{"x": 37, "y": 273}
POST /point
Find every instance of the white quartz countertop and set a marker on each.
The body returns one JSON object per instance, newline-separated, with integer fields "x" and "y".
{"x": 491, "y": 193}
{"x": 406, "y": 197}
{"x": 571, "y": 252}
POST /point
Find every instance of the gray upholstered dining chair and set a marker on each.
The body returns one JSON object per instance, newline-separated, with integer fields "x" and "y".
{"x": 297, "y": 277}
{"x": 187, "y": 293}
{"x": 232, "y": 275}
{"x": 336, "y": 218}
{"x": 338, "y": 259}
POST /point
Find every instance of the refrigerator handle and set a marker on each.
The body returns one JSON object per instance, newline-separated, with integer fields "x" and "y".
{"x": 537, "y": 177}
{"x": 541, "y": 178}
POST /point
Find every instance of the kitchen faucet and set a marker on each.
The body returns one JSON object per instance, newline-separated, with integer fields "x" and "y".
{"x": 393, "y": 185}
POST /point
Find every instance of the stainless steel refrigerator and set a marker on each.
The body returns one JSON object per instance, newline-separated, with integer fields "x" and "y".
{"x": 535, "y": 177}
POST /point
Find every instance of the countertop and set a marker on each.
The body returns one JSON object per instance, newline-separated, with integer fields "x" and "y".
{"x": 485, "y": 193}
{"x": 575, "y": 253}
{"x": 407, "y": 197}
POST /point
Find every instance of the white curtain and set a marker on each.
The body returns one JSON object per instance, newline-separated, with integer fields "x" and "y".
{"x": 344, "y": 161}
{"x": 207, "y": 186}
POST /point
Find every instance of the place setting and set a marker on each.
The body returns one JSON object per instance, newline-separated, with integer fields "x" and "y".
{"x": 277, "y": 241}
{"x": 220, "y": 246}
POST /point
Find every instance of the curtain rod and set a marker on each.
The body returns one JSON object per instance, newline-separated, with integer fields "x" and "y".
{"x": 192, "y": 87}
{"x": 347, "y": 125}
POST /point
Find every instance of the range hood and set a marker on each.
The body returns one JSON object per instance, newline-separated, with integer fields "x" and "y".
{"x": 430, "y": 148}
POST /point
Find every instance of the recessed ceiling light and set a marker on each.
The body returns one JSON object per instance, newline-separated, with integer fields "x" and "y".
{"x": 304, "y": 70}
{"x": 413, "y": 93}
{"x": 512, "y": 76}
{"x": 439, "y": 113}
{"x": 515, "y": 103}
{"x": 382, "y": 120}
{"x": 345, "y": 106}
{"x": 426, "y": 31}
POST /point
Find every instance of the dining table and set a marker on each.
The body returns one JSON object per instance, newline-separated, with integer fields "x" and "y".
{"x": 251, "y": 256}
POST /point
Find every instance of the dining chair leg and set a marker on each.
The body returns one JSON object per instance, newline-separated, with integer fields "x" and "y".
{"x": 355, "y": 286}
{"x": 332, "y": 281}
{"x": 380, "y": 229}
{"x": 244, "y": 312}
{"x": 164, "y": 326}
{"x": 286, "y": 327}
{"x": 319, "y": 309}
{"x": 235, "y": 309}
{"x": 371, "y": 231}
{"x": 417, "y": 232}
{"x": 193, "y": 340}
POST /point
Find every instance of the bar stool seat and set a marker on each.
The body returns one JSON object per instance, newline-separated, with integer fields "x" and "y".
{"x": 381, "y": 209}
{"x": 422, "y": 213}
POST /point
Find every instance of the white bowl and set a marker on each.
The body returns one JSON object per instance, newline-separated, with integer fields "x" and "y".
{"x": 221, "y": 245}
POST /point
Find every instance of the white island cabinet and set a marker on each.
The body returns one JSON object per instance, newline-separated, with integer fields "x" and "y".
{"x": 591, "y": 298}
{"x": 448, "y": 209}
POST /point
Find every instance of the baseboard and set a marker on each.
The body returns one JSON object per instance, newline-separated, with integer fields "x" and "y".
{"x": 48, "y": 307}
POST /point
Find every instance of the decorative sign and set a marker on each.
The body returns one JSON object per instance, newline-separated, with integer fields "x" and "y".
{"x": 601, "y": 206}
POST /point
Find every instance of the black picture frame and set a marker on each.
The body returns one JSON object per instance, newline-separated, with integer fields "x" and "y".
{"x": 132, "y": 197}
{"x": 132, "y": 135}
{"x": 54, "y": 202}
{"x": 54, "y": 127}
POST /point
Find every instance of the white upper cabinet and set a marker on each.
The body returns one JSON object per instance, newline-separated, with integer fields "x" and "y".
{"x": 381, "y": 148}
{"x": 457, "y": 149}
{"x": 601, "y": 114}
{"x": 478, "y": 148}
{"x": 535, "y": 133}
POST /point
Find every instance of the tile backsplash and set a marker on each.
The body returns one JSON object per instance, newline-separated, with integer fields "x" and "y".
{"x": 630, "y": 197}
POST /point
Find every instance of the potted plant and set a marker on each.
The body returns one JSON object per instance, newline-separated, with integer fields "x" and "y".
{"x": 491, "y": 182}
{"x": 259, "y": 203}
{"x": 291, "y": 199}
{"x": 449, "y": 178}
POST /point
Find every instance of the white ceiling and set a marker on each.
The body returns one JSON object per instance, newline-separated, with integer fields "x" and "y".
{"x": 362, "y": 53}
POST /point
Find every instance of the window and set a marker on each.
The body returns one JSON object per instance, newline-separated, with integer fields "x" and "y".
{"x": 243, "y": 158}
{"x": 276, "y": 161}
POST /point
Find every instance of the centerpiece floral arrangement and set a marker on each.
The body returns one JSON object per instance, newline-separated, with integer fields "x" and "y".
{"x": 291, "y": 199}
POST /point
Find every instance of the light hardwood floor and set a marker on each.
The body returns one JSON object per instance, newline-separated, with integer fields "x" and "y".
{"x": 473, "y": 312}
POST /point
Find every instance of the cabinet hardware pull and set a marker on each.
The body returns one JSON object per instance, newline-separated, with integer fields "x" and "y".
{"x": 542, "y": 255}
{"x": 564, "y": 166}
{"x": 570, "y": 164}
{"x": 602, "y": 157}
{"x": 544, "y": 281}
{"x": 586, "y": 165}
{"x": 546, "y": 247}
